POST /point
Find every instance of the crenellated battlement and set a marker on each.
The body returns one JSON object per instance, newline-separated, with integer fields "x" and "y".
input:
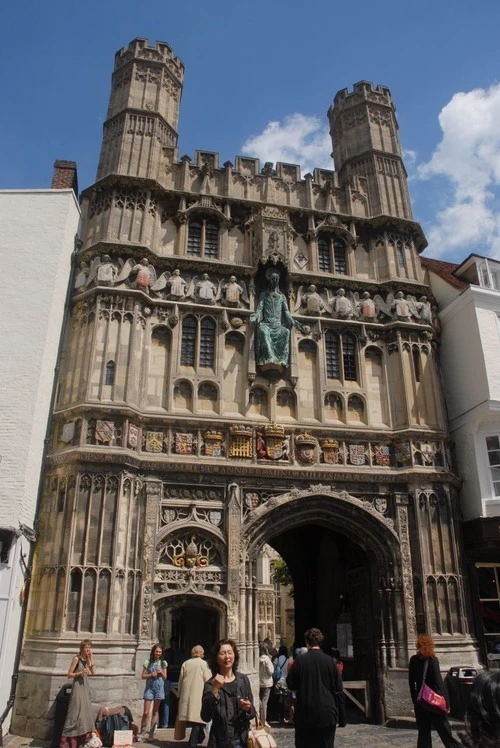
{"x": 161, "y": 53}
{"x": 362, "y": 91}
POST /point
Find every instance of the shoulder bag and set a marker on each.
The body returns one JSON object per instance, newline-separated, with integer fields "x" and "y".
{"x": 429, "y": 699}
{"x": 258, "y": 737}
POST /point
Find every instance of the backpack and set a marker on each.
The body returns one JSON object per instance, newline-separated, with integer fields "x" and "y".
{"x": 277, "y": 674}
{"x": 109, "y": 725}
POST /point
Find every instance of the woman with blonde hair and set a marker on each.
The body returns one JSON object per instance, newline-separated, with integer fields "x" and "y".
{"x": 424, "y": 666}
{"x": 80, "y": 718}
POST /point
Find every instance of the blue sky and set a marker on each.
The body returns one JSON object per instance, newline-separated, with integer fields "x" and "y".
{"x": 251, "y": 63}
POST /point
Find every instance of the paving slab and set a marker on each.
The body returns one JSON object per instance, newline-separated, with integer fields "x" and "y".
{"x": 352, "y": 736}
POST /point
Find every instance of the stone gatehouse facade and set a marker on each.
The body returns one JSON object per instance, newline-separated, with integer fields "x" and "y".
{"x": 183, "y": 441}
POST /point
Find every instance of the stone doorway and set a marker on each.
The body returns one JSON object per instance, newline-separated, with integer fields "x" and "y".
{"x": 191, "y": 621}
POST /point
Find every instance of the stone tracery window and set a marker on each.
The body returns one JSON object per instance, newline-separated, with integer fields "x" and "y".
{"x": 198, "y": 342}
{"x": 110, "y": 373}
{"x": 203, "y": 237}
{"x": 188, "y": 343}
{"x": 207, "y": 342}
{"x": 340, "y": 356}
{"x": 331, "y": 254}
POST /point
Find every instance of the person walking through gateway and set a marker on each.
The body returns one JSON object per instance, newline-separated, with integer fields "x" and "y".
{"x": 317, "y": 682}
{"x": 266, "y": 670}
{"x": 193, "y": 676}
{"x": 424, "y": 667}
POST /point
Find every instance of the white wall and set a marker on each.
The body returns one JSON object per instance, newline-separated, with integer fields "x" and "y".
{"x": 37, "y": 230}
{"x": 470, "y": 360}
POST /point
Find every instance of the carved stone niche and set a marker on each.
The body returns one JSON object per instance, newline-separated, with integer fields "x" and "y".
{"x": 272, "y": 236}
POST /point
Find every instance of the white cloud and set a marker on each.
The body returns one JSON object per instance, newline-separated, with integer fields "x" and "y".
{"x": 468, "y": 156}
{"x": 299, "y": 139}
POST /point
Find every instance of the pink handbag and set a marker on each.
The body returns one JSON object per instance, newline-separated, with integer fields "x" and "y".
{"x": 429, "y": 699}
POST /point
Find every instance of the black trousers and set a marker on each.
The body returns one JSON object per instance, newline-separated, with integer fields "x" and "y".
{"x": 320, "y": 737}
{"x": 426, "y": 721}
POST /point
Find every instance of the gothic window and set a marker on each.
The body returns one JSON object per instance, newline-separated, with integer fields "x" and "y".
{"x": 332, "y": 355}
{"x": 188, "y": 344}
{"x": 203, "y": 238}
{"x": 416, "y": 362}
{"x": 400, "y": 254}
{"x": 340, "y": 354}
{"x": 110, "y": 373}
{"x": 332, "y": 254}
{"x": 198, "y": 342}
{"x": 349, "y": 356}
{"x": 207, "y": 342}
{"x": 493, "y": 447}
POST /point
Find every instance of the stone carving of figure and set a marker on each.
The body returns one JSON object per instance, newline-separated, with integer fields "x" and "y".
{"x": 106, "y": 272}
{"x": 313, "y": 301}
{"x": 367, "y": 307}
{"x": 342, "y": 306}
{"x": 81, "y": 276}
{"x": 424, "y": 309}
{"x": 232, "y": 291}
{"x": 177, "y": 285}
{"x": 206, "y": 290}
{"x": 274, "y": 322}
{"x": 145, "y": 275}
{"x": 401, "y": 307}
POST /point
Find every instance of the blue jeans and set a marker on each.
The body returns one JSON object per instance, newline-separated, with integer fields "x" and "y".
{"x": 164, "y": 713}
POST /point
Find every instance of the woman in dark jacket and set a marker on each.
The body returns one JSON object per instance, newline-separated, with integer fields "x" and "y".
{"x": 426, "y": 719}
{"x": 227, "y": 699}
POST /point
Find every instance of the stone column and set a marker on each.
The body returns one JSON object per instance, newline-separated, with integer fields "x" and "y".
{"x": 153, "y": 492}
{"x": 402, "y": 501}
{"x": 234, "y": 520}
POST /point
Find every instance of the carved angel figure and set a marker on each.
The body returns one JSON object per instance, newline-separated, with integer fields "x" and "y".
{"x": 424, "y": 308}
{"x": 343, "y": 306}
{"x": 312, "y": 300}
{"x": 144, "y": 272}
{"x": 234, "y": 292}
{"x": 102, "y": 272}
{"x": 173, "y": 282}
{"x": 401, "y": 307}
{"x": 366, "y": 306}
{"x": 81, "y": 276}
{"x": 206, "y": 291}
{"x": 397, "y": 306}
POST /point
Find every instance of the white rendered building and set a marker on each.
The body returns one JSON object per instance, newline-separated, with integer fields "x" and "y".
{"x": 469, "y": 298}
{"x": 37, "y": 237}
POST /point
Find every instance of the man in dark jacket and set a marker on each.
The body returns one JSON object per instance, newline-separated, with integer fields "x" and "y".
{"x": 316, "y": 680}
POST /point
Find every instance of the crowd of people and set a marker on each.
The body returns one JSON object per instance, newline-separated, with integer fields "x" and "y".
{"x": 305, "y": 690}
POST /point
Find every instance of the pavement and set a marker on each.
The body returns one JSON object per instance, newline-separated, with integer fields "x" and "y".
{"x": 401, "y": 734}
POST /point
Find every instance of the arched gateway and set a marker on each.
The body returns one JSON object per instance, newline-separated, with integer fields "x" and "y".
{"x": 349, "y": 560}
